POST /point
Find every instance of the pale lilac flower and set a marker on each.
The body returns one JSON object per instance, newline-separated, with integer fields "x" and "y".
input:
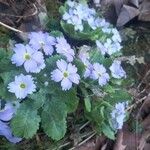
{"x": 101, "y": 47}
{"x": 92, "y": 23}
{"x": 116, "y": 36}
{"x": 62, "y": 47}
{"x": 101, "y": 23}
{"x": 88, "y": 69}
{"x": 99, "y": 73}
{"x": 78, "y": 13}
{"x": 118, "y": 115}
{"x": 32, "y": 60}
{"x": 71, "y": 3}
{"x": 108, "y": 47}
{"x": 117, "y": 70}
{"x": 66, "y": 74}
{"x": 73, "y": 19}
{"x": 106, "y": 30}
{"x": 84, "y": 53}
{"x": 22, "y": 86}
{"x": 6, "y": 114}
{"x": 42, "y": 41}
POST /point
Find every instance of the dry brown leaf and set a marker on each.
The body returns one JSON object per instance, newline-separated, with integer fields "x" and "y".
{"x": 100, "y": 142}
{"x": 144, "y": 11}
{"x": 118, "y": 5}
{"x": 104, "y": 147}
{"x": 4, "y": 2}
{"x": 134, "y": 2}
{"x": 119, "y": 142}
{"x": 143, "y": 139}
{"x": 127, "y": 14}
{"x": 145, "y": 108}
{"x": 146, "y": 123}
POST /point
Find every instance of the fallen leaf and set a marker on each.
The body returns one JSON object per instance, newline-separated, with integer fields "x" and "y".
{"x": 100, "y": 142}
{"x": 146, "y": 123}
{"x": 119, "y": 141}
{"x": 145, "y": 108}
{"x": 144, "y": 11}
{"x": 134, "y": 2}
{"x": 118, "y": 5}
{"x": 127, "y": 14}
{"x": 143, "y": 139}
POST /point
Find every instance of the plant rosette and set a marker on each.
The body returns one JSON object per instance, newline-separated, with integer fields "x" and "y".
{"x": 46, "y": 75}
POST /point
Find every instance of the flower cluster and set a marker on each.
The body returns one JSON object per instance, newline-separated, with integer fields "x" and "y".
{"x": 79, "y": 15}
{"x": 110, "y": 45}
{"x": 118, "y": 115}
{"x": 32, "y": 57}
{"x": 6, "y": 115}
{"x": 97, "y": 71}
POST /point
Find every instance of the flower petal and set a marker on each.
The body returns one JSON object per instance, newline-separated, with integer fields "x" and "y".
{"x": 66, "y": 84}
{"x": 57, "y": 75}
{"x": 6, "y": 131}
{"x": 74, "y": 78}
{"x": 62, "y": 65}
{"x": 30, "y": 66}
{"x": 7, "y": 113}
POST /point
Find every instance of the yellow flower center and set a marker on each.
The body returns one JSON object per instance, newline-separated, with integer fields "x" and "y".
{"x": 27, "y": 56}
{"x": 22, "y": 86}
{"x": 65, "y": 74}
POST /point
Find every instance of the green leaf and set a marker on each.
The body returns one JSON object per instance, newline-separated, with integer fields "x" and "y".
{"x": 69, "y": 98}
{"x": 54, "y": 119}
{"x": 7, "y": 77}
{"x": 118, "y": 96}
{"x": 109, "y": 89}
{"x": 80, "y": 66}
{"x": 108, "y": 131}
{"x": 37, "y": 99}
{"x": 51, "y": 62}
{"x": 87, "y": 103}
{"x": 26, "y": 122}
{"x": 62, "y": 10}
{"x": 5, "y": 94}
{"x": 56, "y": 33}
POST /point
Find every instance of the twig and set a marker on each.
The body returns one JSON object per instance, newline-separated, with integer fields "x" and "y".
{"x": 64, "y": 145}
{"x": 84, "y": 125}
{"x": 84, "y": 141}
{"x": 10, "y": 28}
{"x": 148, "y": 72}
{"x": 17, "y": 16}
{"x": 136, "y": 103}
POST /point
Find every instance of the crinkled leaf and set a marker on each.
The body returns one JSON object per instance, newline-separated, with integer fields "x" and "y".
{"x": 37, "y": 99}
{"x": 86, "y": 34}
{"x": 80, "y": 66}
{"x": 118, "y": 96}
{"x": 69, "y": 98}
{"x": 54, "y": 119}
{"x": 26, "y": 122}
{"x": 108, "y": 131}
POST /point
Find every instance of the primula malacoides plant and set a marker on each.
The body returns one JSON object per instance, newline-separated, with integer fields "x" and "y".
{"x": 49, "y": 78}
